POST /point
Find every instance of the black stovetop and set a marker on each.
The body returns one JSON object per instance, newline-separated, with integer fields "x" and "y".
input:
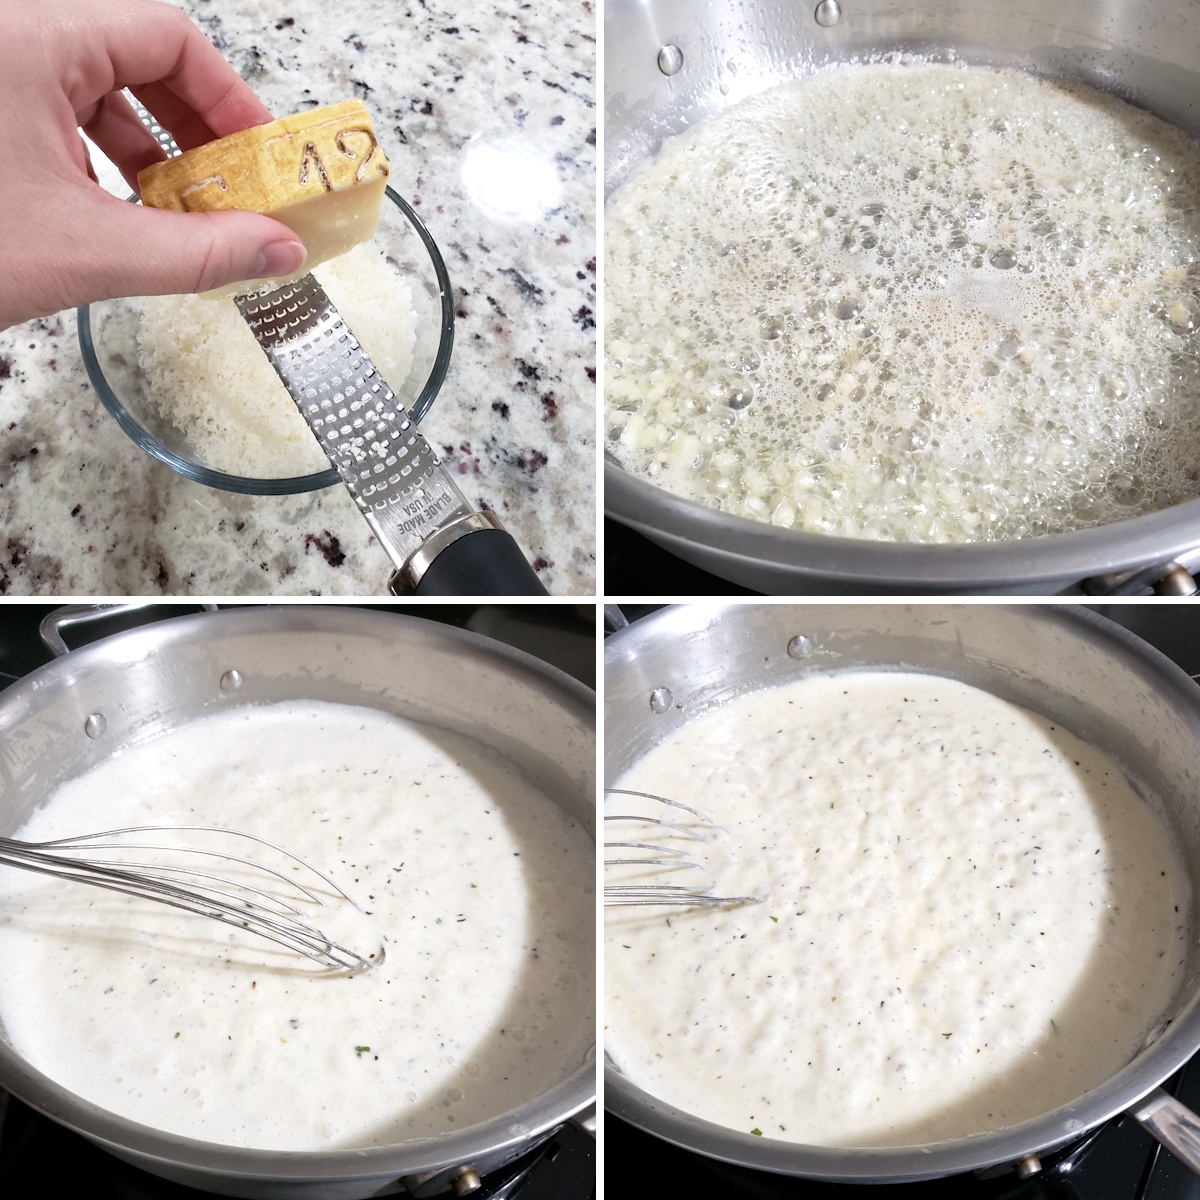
{"x": 1118, "y": 1161}
{"x": 636, "y": 566}
{"x": 38, "y": 1156}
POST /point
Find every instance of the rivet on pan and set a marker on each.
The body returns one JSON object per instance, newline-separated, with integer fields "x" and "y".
{"x": 1156, "y": 1033}
{"x": 95, "y": 725}
{"x": 1176, "y": 582}
{"x": 670, "y": 59}
{"x": 231, "y": 681}
{"x": 466, "y": 1182}
{"x": 1029, "y": 1166}
{"x": 800, "y": 646}
{"x": 414, "y": 1183}
{"x": 660, "y": 700}
{"x": 829, "y": 12}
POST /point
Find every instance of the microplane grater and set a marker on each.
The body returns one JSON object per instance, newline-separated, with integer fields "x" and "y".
{"x": 411, "y": 503}
{"x": 385, "y": 462}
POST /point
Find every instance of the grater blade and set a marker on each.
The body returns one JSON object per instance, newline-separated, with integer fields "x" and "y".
{"x": 383, "y": 459}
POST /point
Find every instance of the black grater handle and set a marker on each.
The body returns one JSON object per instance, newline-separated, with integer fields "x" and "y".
{"x": 485, "y": 562}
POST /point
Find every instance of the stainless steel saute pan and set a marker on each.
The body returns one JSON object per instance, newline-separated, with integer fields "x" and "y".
{"x": 670, "y": 64}
{"x": 1097, "y": 680}
{"x": 62, "y": 718}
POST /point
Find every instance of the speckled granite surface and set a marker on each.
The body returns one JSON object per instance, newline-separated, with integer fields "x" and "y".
{"x": 460, "y": 95}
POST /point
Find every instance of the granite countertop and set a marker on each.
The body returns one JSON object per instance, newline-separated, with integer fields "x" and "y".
{"x": 458, "y": 94}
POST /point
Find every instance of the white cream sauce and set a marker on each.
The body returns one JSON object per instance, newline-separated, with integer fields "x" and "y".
{"x": 968, "y": 917}
{"x": 481, "y": 886}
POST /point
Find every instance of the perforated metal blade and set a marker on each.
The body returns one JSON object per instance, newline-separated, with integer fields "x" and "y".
{"x": 386, "y": 463}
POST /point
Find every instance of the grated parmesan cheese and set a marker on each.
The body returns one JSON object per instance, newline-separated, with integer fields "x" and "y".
{"x": 207, "y": 375}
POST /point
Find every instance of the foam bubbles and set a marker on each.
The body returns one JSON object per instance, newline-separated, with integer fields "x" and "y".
{"x": 912, "y": 303}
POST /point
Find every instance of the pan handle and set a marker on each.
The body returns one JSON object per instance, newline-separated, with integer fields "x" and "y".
{"x": 505, "y": 1183}
{"x": 614, "y": 618}
{"x": 1171, "y": 1123}
{"x": 84, "y": 614}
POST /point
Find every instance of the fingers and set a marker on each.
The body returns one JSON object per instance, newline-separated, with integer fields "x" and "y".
{"x": 70, "y": 242}
{"x": 150, "y": 252}
{"x": 170, "y": 51}
{"x": 121, "y": 249}
{"x": 188, "y": 128}
{"x": 136, "y": 43}
{"x": 116, "y": 129}
{"x": 87, "y": 159}
{"x": 174, "y": 72}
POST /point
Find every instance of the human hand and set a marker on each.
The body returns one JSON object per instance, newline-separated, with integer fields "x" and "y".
{"x": 66, "y": 241}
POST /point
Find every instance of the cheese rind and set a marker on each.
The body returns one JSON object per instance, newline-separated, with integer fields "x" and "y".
{"x": 321, "y": 173}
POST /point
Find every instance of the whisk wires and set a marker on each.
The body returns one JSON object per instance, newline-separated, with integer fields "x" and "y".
{"x": 663, "y": 855}
{"x": 237, "y": 902}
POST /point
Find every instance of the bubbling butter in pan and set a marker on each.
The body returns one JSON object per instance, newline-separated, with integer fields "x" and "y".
{"x": 918, "y": 303}
{"x": 481, "y": 885}
{"x": 968, "y": 917}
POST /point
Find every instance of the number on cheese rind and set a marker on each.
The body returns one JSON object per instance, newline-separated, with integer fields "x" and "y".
{"x": 321, "y": 173}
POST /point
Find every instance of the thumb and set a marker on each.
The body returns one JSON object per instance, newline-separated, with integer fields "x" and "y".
{"x": 150, "y": 252}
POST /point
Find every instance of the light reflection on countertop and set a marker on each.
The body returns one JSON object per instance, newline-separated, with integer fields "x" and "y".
{"x": 488, "y": 119}
{"x": 508, "y": 181}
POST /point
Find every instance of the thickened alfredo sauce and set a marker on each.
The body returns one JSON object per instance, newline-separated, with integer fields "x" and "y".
{"x": 911, "y": 303}
{"x": 481, "y": 886}
{"x": 968, "y": 918}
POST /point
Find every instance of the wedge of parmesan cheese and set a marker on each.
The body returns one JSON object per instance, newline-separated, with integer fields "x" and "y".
{"x": 321, "y": 173}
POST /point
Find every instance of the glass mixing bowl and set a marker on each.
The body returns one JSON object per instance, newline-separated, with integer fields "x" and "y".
{"x": 108, "y": 339}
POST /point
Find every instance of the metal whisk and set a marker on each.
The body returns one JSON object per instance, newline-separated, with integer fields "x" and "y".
{"x": 245, "y": 904}
{"x": 661, "y": 854}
